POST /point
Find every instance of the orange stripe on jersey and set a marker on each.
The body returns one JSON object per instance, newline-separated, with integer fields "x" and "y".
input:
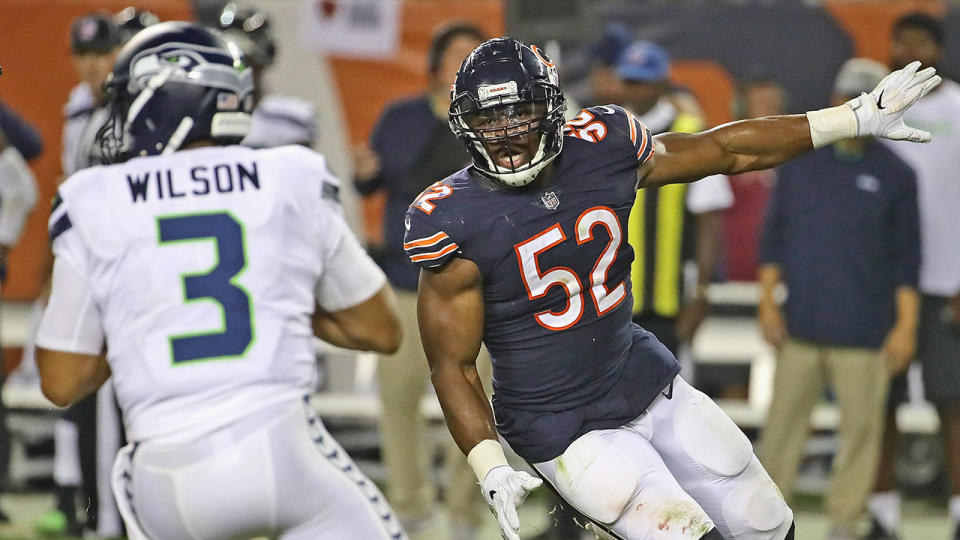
{"x": 436, "y": 254}
{"x": 643, "y": 142}
{"x": 633, "y": 126}
{"x": 425, "y": 242}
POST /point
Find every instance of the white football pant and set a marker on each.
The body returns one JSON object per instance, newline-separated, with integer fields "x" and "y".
{"x": 673, "y": 473}
{"x": 277, "y": 473}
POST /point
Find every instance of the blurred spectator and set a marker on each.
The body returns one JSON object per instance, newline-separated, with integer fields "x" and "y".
{"x": 918, "y": 36}
{"x": 756, "y": 97}
{"x": 18, "y": 194}
{"x": 661, "y": 215}
{"x": 410, "y": 148}
{"x": 86, "y": 436}
{"x": 604, "y": 85}
{"x": 94, "y": 43}
{"x": 131, "y": 20}
{"x": 842, "y": 235}
{"x": 19, "y": 134}
{"x": 18, "y": 187}
{"x": 277, "y": 119}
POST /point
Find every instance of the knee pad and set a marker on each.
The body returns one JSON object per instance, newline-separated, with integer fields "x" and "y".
{"x": 710, "y": 437}
{"x": 596, "y": 477}
{"x": 755, "y": 508}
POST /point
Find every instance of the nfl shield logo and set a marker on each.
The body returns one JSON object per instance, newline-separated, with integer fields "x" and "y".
{"x": 550, "y": 200}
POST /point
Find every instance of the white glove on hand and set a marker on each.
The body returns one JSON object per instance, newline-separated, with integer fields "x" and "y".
{"x": 504, "y": 489}
{"x": 880, "y": 112}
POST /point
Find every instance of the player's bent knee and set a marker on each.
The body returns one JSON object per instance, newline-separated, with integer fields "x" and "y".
{"x": 596, "y": 478}
{"x": 710, "y": 437}
{"x": 756, "y": 507}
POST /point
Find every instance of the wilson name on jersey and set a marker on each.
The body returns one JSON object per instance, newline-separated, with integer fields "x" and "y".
{"x": 204, "y": 265}
{"x": 555, "y": 263}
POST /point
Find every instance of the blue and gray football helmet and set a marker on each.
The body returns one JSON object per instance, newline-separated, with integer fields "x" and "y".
{"x": 172, "y": 84}
{"x": 507, "y": 95}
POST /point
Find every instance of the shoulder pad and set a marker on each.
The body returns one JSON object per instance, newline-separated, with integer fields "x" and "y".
{"x": 429, "y": 238}
{"x": 614, "y": 125}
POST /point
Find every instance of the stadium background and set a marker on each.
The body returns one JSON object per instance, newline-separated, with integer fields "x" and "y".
{"x": 712, "y": 44}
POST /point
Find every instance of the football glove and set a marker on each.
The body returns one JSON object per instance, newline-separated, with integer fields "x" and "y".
{"x": 504, "y": 489}
{"x": 880, "y": 113}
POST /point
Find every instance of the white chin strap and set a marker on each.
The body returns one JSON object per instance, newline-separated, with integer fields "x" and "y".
{"x": 522, "y": 177}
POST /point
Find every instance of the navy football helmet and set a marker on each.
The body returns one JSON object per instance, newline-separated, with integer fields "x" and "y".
{"x": 174, "y": 83}
{"x": 250, "y": 29}
{"x": 507, "y": 109}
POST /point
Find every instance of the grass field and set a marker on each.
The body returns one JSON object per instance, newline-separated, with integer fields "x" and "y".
{"x": 924, "y": 520}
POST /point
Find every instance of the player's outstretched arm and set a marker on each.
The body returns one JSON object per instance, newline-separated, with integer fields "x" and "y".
{"x": 450, "y": 312}
{"x": 766, "y": 142}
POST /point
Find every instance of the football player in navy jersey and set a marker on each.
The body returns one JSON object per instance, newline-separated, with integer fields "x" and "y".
{"x": 526, "y": 250}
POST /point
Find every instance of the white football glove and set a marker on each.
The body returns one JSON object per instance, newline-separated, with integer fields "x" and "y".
{"x": 880, "y": 113}
{"x": 504, "y": 489}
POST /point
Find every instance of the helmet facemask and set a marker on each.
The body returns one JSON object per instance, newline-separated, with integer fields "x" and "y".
{"x": 511, "y": 140}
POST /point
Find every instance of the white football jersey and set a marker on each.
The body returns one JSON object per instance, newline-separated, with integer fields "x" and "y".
{"x": 205, "y": 267}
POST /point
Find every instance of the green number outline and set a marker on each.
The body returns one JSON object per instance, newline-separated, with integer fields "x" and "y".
{"x": 232, "y": 281}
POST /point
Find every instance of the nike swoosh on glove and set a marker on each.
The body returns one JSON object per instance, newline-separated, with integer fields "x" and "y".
{"x": 504, "y": 489}
{"x": 880, "y": 113}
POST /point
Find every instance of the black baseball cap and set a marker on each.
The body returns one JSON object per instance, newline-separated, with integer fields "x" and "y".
{"x": 94, "y": 32}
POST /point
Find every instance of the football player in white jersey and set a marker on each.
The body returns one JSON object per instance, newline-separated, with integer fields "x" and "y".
{"x": 196, "y": 274}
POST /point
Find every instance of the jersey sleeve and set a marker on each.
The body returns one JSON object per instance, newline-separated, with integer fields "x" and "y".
{"x": 617, "y": 129}
{"x": 429, "y": 239}
{"x": 350, "y": 277}
{"x": 72, "y": 320}
{"x": 65, "y": 239}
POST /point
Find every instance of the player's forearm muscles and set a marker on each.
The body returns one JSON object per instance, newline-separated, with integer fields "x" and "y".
{"x": 66, "y": 378}
{"x": 764, "y": 142}
{"x": 371, "y": 325}
{"x": 450, "y": 312}
{"x": 465, "y": 407}
{"x": 728, "y": 149}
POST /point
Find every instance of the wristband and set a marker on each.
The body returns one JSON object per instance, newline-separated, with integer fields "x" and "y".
{"x": 485, "y": 456}
{"x": 828, "y": 126}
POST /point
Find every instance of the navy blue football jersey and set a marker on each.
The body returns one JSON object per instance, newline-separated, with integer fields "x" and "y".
{"x": 555, "y": 262}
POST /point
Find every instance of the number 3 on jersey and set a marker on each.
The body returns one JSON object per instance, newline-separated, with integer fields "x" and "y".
{"x": 538, "y": 283}
{"x": 218, "y": 284}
